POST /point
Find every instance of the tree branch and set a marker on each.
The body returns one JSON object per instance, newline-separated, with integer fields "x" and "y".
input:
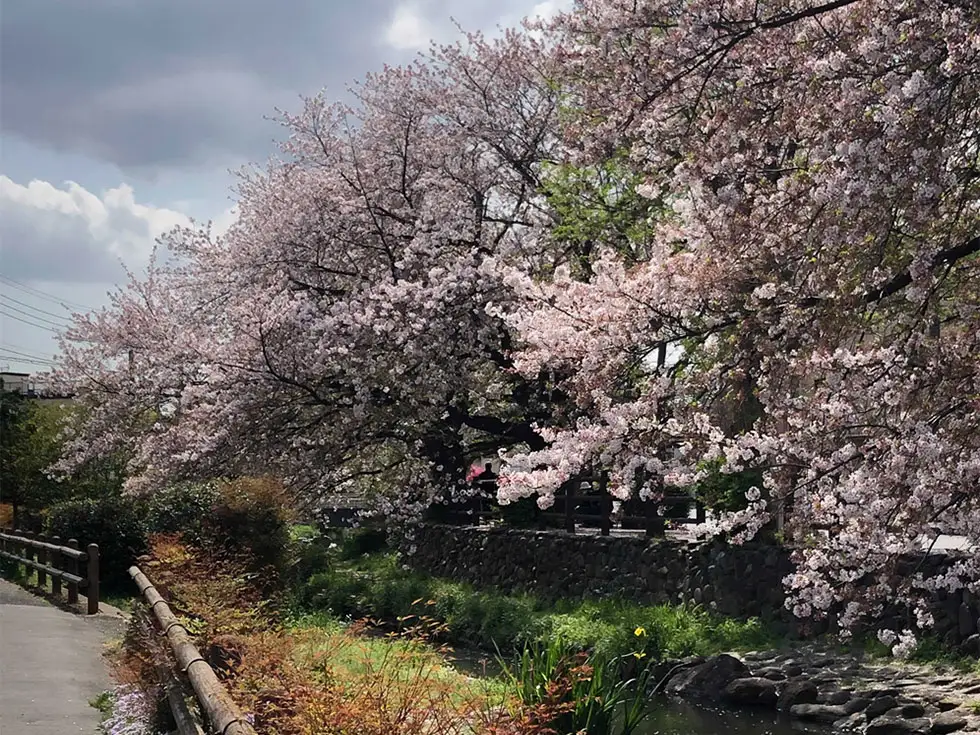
{"x": 498, "y": 427}
{"x": 944, "y": 257}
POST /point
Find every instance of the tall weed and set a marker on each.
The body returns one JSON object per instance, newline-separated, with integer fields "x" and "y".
{"x": 585, "y": 693}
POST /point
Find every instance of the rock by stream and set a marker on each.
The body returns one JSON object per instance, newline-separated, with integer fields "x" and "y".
{"x": 841, "y": 691}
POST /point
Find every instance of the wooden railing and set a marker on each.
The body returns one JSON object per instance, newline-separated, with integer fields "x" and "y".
{"x": 68, "y": 564}
{"x": 582, "y": 502}
{"x": 222, "y": 714}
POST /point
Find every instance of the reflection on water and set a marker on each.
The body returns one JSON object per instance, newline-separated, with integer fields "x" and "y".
{"x": 474, "y": 662}
{"x": 679, "y": 718}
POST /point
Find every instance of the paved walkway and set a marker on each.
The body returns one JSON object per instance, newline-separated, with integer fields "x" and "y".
{"x": 51, "y": 665}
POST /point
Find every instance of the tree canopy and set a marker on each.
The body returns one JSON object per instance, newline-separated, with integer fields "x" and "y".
{"x": 666, "y": 238}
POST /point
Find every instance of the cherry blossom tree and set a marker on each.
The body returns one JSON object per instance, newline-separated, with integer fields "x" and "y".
{"x": 809, "y": 302}
{"x": 662, "y": 237}
{"x": 339, "y": 331}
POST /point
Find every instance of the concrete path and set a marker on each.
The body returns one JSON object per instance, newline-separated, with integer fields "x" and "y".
{"x": 51, "y": 665}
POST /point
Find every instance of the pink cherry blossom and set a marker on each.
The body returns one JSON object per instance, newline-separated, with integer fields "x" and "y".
{"x": 400, "y": 294}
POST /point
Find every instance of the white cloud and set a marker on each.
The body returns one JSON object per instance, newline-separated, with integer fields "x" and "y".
{"x": 71, "y": 234}
{"x": 549, "y": 9}
{"x": 65, "y": 244}
{"x": 408, "y": 29}
{"x": 221, "y": 223}
{"x": 415, "y": 23}
{"x": 544, "y": 11}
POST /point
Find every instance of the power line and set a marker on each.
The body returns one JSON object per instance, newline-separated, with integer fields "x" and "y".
{"x": 34, "y": 308}
{"x": 29, "y": 355}
{"x": 35, "y": 316}
{"x": 32, "y": 324}
{"x": 12, "y": 346}
{"x": 24, "y": 361}
{"x": 28, "y": 360}
{"x": 43, "y": 294}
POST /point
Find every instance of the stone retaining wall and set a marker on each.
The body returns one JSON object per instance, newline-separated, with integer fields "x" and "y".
{"x": 743, "y": 581}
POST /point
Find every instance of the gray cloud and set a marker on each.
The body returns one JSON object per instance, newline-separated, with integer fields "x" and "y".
{"x": 172, "y": 82}
{"x": 146, "y": 84}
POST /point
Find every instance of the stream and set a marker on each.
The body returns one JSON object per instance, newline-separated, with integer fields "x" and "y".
{"x": 669, "y": 716}
{"x": 674, "y": 717}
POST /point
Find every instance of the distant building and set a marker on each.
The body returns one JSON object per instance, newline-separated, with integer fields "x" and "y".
{"x": 16, "y": 382}
{"x": 29, "y": 384}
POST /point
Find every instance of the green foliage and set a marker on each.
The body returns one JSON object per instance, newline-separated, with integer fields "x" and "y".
{"x": 930, "y": 650}
{"x": 599, "y": 203}
{"x": 251, "y": 516}
{"x": 591, "y": 696}
{"x": 14, "y": 413}
{"x": 116, "y": 524}
{"x": 726, "y": 492}
{"x": 245, "y": 516}
{"x": 521, "y": 513}
{"x": 181, "y": 509}
{"x": 102, "y": 703}
{"x": 32, "y": 437}
{"x": 363, "y": 541}
{"x": 378, "y": 587}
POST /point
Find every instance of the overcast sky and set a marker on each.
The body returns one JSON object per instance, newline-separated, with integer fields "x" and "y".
{"x": 122, "y": 118}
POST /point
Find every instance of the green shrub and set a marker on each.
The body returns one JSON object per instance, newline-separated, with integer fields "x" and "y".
{"x": 343, "y": 594}
{"x": 580, "y": 630}
{"x": 726, "y": 491}
{"x": 312, "y": 553}
{"x": 117, "y": 525}
{"x": 362, "y": 541}
{"x": 378, "y": 587}
{"x": 252, "y": 516}
{"x": 521, "y": 513}
{"x": 181, "y": 509}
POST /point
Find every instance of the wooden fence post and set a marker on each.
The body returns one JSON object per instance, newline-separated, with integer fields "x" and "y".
{"x": 92, "y": 590}
{"x": 654, "y": 523}
{"x": 42, "y": 557}
{"x": 54, "y": 559}
{"x": 570, "y": 506}
{"x": 72, "y": 569}
{"x": 605, "y": 521}
{"x": 29, "y": 551}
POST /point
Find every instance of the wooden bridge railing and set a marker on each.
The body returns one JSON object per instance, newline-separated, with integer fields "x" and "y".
{"x": 583, "y": 502}
{"x": 222, "y": 714}
{"x": 68, "y": 564}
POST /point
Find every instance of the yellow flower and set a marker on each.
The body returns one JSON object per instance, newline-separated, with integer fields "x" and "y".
{"x": 639, "y": 654}
{"x": 640, "y": 630}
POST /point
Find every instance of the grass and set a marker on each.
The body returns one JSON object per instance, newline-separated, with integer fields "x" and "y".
{"x": 932, "y": 652}
{"x": 120, "y": 601}
{"x": 102, "y": 703}
{"x": 376, "y": 586}
{"x": 589, "y": 694}
{"x": 351, "y": 584}
{"x": 18, "y": 574}
{"x": 355, "y": 651}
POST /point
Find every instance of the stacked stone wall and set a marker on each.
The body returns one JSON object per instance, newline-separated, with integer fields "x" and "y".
{"x": 743, "y": 581}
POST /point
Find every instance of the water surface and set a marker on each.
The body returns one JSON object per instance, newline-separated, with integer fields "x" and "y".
{"x": 674, "y": 717}
{"x": 669, "y": 716}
